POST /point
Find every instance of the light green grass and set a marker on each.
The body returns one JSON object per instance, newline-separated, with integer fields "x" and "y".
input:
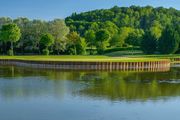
{"x": 124, "y": 53}
{"x": 137, "y": 53}
{"x": 158, "y": 56}
{"x": 81, "y": 58}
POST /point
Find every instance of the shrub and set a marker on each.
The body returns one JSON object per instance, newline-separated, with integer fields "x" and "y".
{"x": 10, "y": 52}
{"x": 45, "y": 52}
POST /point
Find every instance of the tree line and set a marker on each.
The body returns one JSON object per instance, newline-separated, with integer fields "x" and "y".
{"x": 153, "y": 30}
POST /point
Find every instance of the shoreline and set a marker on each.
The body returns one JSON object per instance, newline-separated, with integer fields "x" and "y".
{"x": 156, "y": 65}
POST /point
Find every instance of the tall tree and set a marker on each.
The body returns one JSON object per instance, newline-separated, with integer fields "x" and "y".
{"x": 169, "y": 41}
{"x": 123, "y": 34}
{"x": 156, "y": 29}
{"x": 73, "y": 39}
{"x": 102, "y": 40}
{"x": 59, "y": 30}
{"x": 46, "y": 41}
{"x": 23, "y": 25}
{"x": 5, "y": 20}
{"x": 81, "y": 46}
{"x": 135, "y": 38}
{"x": 36, "y": 29}
{"x": 149, "y": 43}
{"x": 90, "y": 37}
{"x": 11, "y": 33}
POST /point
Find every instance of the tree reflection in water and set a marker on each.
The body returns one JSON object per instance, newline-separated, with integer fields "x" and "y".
{"x": 114, "y": 85}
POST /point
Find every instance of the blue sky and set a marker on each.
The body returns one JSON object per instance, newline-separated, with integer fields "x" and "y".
{"x": 50, "y": 9}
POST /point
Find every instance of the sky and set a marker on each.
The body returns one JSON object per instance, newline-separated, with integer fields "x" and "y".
{"x": 51, "y": 9}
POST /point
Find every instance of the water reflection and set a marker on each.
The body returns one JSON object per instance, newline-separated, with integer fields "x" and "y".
{"x": 19, "y": 82}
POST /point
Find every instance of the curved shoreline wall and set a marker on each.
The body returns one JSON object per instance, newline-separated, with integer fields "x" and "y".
{"x": 176, "y": 60}
{"x": 162, "y": 65}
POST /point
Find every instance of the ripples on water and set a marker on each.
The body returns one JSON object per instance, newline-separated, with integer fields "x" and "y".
{"x": 39, "y": 94}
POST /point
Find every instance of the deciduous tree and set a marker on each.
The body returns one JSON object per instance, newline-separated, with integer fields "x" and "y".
{"x": 10, "y": 33}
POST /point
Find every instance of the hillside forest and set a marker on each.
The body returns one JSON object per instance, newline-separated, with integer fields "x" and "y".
{"x": 147, "y": 29}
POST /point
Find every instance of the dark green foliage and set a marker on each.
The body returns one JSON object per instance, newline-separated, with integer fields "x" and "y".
{"x": 76, "y": 44}
{"x": 31, "y": 32}
{"x": 10, "y": 33}
{"x": 102, "y": 35}
{"x": 58, "y": 29}
{"x": 10, "y": 52}
{"x": 81, "y": 46}
{"x": 135, "y": 38}
{"x": 149, "y": 43}
{"x": 102, "y": 29}
{"x": 45, "y": 51}
{"x": 73, "y": 38}
{"x": 169, "y": 41}
{"x": 46, "y": 40}
{"x": 134, "y": 16}
{"x": 126, "y": 25}
{"x": 90, "y": 37}
{"x": 102, "y": 40}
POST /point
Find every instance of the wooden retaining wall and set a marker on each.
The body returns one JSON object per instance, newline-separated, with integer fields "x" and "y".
{"x": 176, "y": 60}
{"x": 67, "y": 65}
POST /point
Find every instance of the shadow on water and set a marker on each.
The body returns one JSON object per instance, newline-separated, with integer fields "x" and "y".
{"x": 115, "y": 85}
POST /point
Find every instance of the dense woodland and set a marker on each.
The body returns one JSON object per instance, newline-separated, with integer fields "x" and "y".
{"x": 152, "y": 30}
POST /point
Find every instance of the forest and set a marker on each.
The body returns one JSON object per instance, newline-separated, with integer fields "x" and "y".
{"x": 151, "y": 30}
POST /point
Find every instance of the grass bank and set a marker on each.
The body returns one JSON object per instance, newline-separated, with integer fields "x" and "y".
{"x": 83, "y": 58}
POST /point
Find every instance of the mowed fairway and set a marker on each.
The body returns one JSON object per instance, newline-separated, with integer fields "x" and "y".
{"x": 81, "y": 58}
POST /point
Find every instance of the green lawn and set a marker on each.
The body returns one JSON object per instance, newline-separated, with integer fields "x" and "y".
{"x": 159, "y": 56}
{"x": 81, "y": 58}
{"x": 138, "y": 53}
{"x": 124, "y": 53}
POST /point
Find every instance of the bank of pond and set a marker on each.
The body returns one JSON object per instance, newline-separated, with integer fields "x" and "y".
{"x": 148, "y": 63}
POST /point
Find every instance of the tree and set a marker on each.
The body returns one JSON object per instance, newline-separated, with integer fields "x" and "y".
{"x": 125, "y": 26}
{"x": 36, "y": 29}
{"x": 123, "y": 34}
{"x": 110, "y": 27}
{"x": 73, "y": 38}
{"x": 116, "y": 40}
{"x": 102, "y": 40}
{"x": 10, "y": 33}
{"x": 46, "y": 41}
{"x": 156, "y": 29}
{"x": 169, "y": 41}
{"x": 3, "y": 44}
{"x": 22, "y": 23}
{"x": 59, "y": 30}
{"x": 149, "y": 43}
{"x": 135, "y": 38}
{"x": 90, "y": 38}
{"x": 81, "y": 46}
{"x": 5, "y": 20}
{"x": 94, "y": 26}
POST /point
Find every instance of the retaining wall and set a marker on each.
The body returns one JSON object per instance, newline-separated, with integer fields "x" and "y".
{"x": 176, "y": 60}
{"x": 163, "y": 65}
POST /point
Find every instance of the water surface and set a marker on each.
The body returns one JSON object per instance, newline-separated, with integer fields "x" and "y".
{"x": 42, "y": 94}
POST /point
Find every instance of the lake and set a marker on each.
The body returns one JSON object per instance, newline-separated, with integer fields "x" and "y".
{"x": 49, "y": 94}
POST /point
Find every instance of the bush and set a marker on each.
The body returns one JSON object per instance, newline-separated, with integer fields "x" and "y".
{"x": 10, "y": 52}
{"x": 45, "y": 52}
